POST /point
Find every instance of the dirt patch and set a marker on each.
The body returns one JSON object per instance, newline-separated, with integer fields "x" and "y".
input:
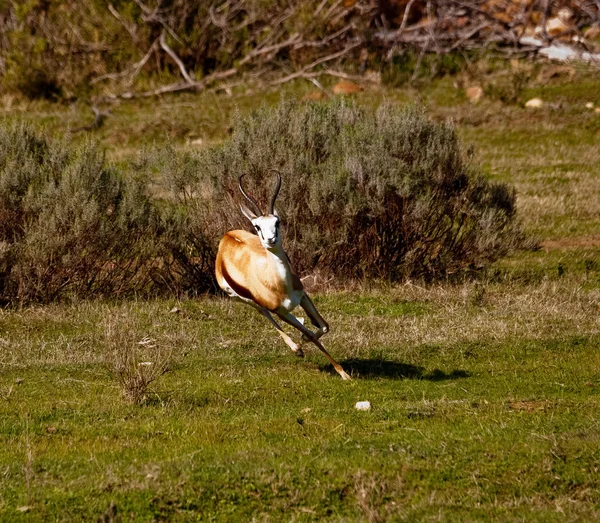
{"x": 528, "y": 406}
{"x": 571, "y": 243}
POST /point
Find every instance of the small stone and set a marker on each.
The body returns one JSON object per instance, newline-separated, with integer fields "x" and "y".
{"x": 597, "y": 110}
{"x": 51, "y": 430}
{"x": 175, "y": 310}
{"x": 554, "y": 27}
{"x": 534, "y": 103}
{"x": 18, "y": 381}
{"x": 589, "y": 105}
{"x": 306, "y": 410}
{"x": 363, "y": 405}
{"x": 474, "y": 93}
{"x": 565, "y": 14}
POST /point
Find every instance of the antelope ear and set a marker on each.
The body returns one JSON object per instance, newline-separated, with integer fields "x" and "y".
{"x": 247, "y": 212}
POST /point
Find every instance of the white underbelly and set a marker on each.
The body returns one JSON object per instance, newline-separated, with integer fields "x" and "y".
{"x": 232, "y": 294}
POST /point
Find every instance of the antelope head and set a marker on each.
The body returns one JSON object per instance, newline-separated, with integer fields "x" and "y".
{"x": 266, "y": 225}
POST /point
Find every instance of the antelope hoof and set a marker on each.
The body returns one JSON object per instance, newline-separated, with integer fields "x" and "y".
{"x": 299, "y": 352}
{"x": 344, "y": 375}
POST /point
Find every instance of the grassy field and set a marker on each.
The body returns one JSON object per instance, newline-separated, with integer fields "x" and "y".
{"x": 485, "y": 394}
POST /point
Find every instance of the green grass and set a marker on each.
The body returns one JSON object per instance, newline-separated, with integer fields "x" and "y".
{"x": 485, "y": 394}
{"x": 484, "y": 402}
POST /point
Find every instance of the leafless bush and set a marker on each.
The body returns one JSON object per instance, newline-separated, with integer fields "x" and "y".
{"x": 136, "y": 359}
{"x": 111, "y": 50}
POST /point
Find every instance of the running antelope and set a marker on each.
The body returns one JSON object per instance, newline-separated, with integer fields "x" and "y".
{"x": 254, "y": 269}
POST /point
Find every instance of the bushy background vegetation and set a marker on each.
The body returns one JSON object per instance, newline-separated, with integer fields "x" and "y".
{"x": 70, "y": 223}
{"x": 65, "y": 50}
{"x": 388, "y": 195}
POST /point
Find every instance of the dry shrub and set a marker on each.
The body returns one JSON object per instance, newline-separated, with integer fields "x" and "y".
{"x": 374, "y": 496}
{"x": 387, "y": 195}
{"x": 189, "y": 216}
{"x": 137, "y": 360}
{"x": 70, "y": 224}
{"x": 61, "y": 49}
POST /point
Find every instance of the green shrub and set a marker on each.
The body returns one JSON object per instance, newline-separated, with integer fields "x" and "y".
{"x": 69, "y": 224}
{"x": 389, "y": 195}
{"x": 385, "y": 195}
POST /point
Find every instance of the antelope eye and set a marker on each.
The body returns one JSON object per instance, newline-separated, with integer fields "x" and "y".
{"x": 257, "y": 228}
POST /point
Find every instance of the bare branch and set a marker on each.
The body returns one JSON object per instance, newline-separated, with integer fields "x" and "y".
{"x": 188, "y": 78}
{"x": 272, "y": 48}
{"x": 305, "y": 72}
{"x": 129, "y": 28}
{"x": 137, "y": 67}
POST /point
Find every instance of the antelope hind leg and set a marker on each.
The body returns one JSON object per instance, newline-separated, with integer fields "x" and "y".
{"x": 291, "y": 320}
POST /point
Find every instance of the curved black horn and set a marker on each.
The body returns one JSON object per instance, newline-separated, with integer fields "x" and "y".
{"x": 276, "y": 193}
{"x": 253, "y": 204}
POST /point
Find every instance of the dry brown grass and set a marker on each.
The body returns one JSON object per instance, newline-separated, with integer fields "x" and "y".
{"x": 452, "y": 315}
{"x": 460, "y": 314}
{"x": 134, "y": 357}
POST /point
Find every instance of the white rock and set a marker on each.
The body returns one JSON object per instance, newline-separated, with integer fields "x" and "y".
{"x": 363, "y": 405}
{"x": 589, "y": 105}
{"x": 565, "y": 14}
{"x": 558, "y": 51}
{"x": 534, "y": 103}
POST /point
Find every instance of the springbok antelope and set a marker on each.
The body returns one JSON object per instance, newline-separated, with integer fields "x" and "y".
{"x": 254, "y": 269}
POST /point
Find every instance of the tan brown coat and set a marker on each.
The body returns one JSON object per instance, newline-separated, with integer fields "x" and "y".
{"x": 244, "y": 265}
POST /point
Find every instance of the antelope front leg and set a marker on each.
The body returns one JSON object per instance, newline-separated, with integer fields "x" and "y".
{"x": 316, "y": 319}
{"x": 297, "y": 349}
{"x": 293, "y": 321}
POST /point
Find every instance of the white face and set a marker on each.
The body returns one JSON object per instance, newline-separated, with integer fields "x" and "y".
{"x": 267, "y": 228}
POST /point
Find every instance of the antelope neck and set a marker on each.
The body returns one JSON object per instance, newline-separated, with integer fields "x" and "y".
{"x": 279, "y": 262}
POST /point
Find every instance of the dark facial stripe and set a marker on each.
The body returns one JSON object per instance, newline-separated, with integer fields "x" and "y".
{"x": 241, "y": 291}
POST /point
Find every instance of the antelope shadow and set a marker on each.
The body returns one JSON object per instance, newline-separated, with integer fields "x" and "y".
{"x": 377, "y": 368}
